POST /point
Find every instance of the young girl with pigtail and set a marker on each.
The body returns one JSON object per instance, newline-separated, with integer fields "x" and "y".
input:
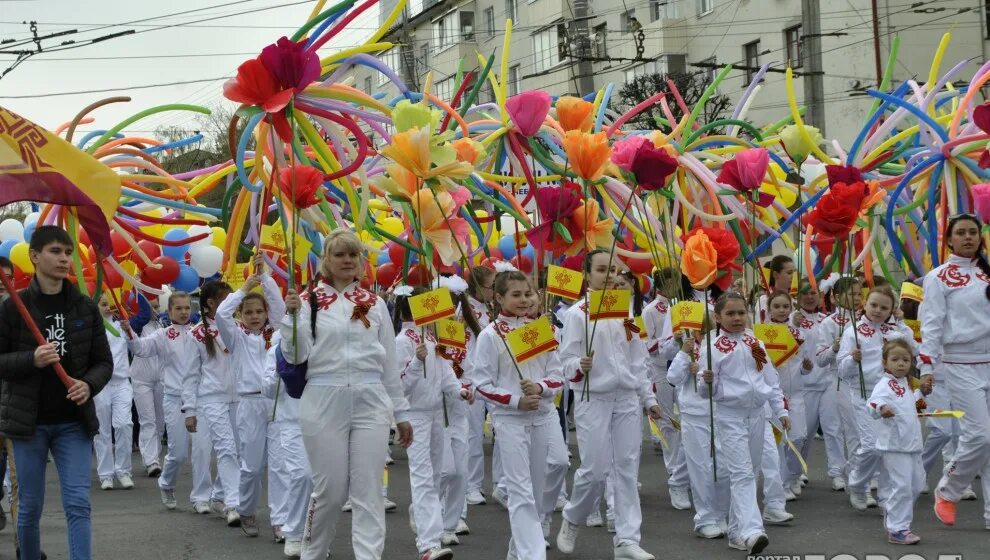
{"x": 475, "y": 311}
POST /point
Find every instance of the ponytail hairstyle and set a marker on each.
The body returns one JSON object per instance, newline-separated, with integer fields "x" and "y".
{"x": 722, "y": 301}
{"x": 887, "y": 291}
{"x": 777, "y": 295}
{"x": 210, "y": 290}
{"x": 775, "y": 266}
{"x": 502, "y": 280}
{"x": 637, "y": 299}
{"x": 981, "y": 261}
{"x": 669, "y": 278}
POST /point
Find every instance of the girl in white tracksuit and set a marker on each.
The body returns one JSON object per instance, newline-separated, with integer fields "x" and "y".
{"x": 607, "y": 413}
{"x": 742, "y": 381}
{"x": 454, "y": 473}
{"x": 862, "y": 346}
{"x": 898, "y": 439}
{"x": 176, "y": 351}
{"x": 289, "y": 480}
{"x": 113, "y": 409}
{"x": 955, "y": 332}
{"x": 249, "y": 340}
{"x": 146, "y": 379}
{"x": 710, "y": 496}
{"x": 352, "y": 392}
{"x": 819, "y": 385}
{"x": 426, "y": 379}
{"x": 209, "y": 396}
{"x": 846, "y": 294}
{"x": 479, "y": 297}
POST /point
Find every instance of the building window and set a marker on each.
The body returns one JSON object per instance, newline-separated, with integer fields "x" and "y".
{"x": 792, "y": 42}
{"x": 391, "y": 59}
{"x": 705, "y": 7}
{"x": 629, "y": 21}
{"x": 367, "y": 85}
{"x": 548, "y": 47}
{"x": 445, "y": 31}
{"x": 415, "y": 7}
{"x": 751, "y": 54}
{"x": 599, "y": 46}
{"x": 490, "y": 21}
{"x": 510, "y": 9}
{"x": 444, "y": 89}
{"x": 513, "y": 80}
{"x": 655, "y": 7}
{"x": 424, "y": 54}
{"x": 467, "y": 25}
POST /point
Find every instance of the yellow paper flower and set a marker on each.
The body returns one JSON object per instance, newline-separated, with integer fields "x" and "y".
{"x": 795, "y": 143}
{"x": 436, "y": 215}
{"x": 412, "y": 149}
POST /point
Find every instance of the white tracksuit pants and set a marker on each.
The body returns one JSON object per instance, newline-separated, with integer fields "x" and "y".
{"x": 847, "y": 419}
{"x": 524, "y": 463}
{"x": 557, "y": 465}
{"x": 148, "y": 397}
{"x": 454, "y": 475}
{"x": 345, "y": 430}
{"x": 710, "y": 497}
{"x": 673, "y": 455}
{"x": 864, "y": 464}
{"x": 178, "y": 452}
{"x": 113, "y": 410}
{"x": 821, "y": 409}
{"x": 289, "y": 482}
{"x": 943, "y": 433}
{"x": 773, "y": 483}
{"x": 601, "y": 422}
{"x": 425, "y": 463}
{"x": 969, "y": 390}
{"x": 742, "y": 437}
{"x": 496, "y": 462}
{"x": 790, "y": 467}
{"x": 216, "y": 420}
{"x": 254, "y": 414}
{"x": 903, "y": 478}
{"x": 476, "y": 446}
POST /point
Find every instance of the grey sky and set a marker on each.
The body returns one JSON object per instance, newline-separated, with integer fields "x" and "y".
{"x": 98, "y": 66}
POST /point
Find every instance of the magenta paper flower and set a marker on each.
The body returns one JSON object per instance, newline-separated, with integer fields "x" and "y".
{"x": 291, "y": 64}
{"x": 528, "y": 110}
{"x": 624, "y": 151}
{"x": 745, "y": 173}
{"x": 556, "y": 204}
{"x": 981, "y": 200}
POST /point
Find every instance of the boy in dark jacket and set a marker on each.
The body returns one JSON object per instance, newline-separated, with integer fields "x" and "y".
{"x": 37, "y": 412}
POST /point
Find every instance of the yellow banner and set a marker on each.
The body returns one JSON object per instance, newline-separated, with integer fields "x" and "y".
{"x": 778, "y": 340}
{"x": 608, "y": 304}
{"x": 273, "y": 240}
{"x": 531, "y": 340}
{"x": 431, "y": 306}
{"x": 642, "y": 327}
{"x": 915, "y": 328}
{"x": 235, "y": 277}
{"x": 912, "y": 291}
{"x": 451, "y": 333}
{"x": 564, "y": 282}
{"x": 687, "y": 315}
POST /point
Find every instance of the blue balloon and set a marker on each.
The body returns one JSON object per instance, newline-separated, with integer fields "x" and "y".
{"x": 188, "y": 280}
{"x": 529, "y": 251}
{"x": 6, "y": 246}
{"x": 177, "y": 252}
{"x": 29, "y": 231}
{"x": 507, "y": 246}
{"x": 382, "y": 258}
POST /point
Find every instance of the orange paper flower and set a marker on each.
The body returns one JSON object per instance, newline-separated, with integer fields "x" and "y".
{"x": 574, "y": 113}
{"x": 587, "y": 153}
{"x": 699, "y": 260}
{"x": 596, "y": 233}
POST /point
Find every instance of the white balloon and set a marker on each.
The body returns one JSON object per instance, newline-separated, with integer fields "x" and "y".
{"x": 206, "y": 261}
{"x": 11, "y": 229}
{"x": 32, "y": 218}
{"x": 193, "y": 231}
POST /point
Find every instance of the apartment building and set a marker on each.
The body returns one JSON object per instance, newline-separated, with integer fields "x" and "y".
{"x": 576, "y": 46}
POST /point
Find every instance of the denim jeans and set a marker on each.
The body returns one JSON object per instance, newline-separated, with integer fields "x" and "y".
{"x": 71, "y": 447}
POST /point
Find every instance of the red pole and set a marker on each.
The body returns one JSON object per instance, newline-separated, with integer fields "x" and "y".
{"x": 59, "y": 370}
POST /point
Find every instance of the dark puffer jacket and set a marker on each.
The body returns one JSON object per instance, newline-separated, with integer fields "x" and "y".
{"x": 20, "y": 382}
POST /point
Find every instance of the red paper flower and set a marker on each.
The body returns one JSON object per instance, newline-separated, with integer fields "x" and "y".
{"x": 652, "y": 167}
{"x": 307, "y": 184}
{"x": 255, "y": 85}
{"x": 291, "y": 64}
{"x": 574, "y": 262}
{"x": 981, "y": 118}
{"x": 836, "y": 211}
{"x": 745, "y": 172}
{"x": 556, "y": 204}
{"x": 847, "y": 174}
{"x": 981, "y": 200}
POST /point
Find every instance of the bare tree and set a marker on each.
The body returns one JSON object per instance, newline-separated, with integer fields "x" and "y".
{"x": 691, "y": 87}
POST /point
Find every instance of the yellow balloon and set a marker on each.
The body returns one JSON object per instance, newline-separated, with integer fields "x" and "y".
{"x": 129, "y": 266}
{"x": 219, "y": 236}
{"x": 392, "y": 225}
{"x": 21, "y": 259}
{"x": 378, "y": 204}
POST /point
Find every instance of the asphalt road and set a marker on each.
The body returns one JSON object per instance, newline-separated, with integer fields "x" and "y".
{"x": 133, "y": 524}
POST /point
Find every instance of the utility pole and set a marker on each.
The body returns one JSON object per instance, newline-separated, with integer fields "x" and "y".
{"x": 876, "y": 44}
{"x": 584, "y": 80}
{"x": 814, "y": 84}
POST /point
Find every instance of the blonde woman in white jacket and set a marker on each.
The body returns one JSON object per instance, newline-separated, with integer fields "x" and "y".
{"x": 352, "y": 391}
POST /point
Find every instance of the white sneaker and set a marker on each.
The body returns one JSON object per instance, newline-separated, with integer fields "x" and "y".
{"x": 462, "y": 527}
{"x": 757, "y": 543}
{"x": 859, "y": 500}
{"x": 389, "y": 460}
{"x": 292, "y": 548}
{"x": 153, "y": 470}
{"x": 679, "y": 497}
{"x": 501, "y": 497}
{"x": 737, "y": 543}
{"x": 804, "y": 480}
{"x": 595, "y": 519}
{"x": 632, "y": 552}
{"x": 873, "y": 485}
{"x": 168, "y": 499}
{"x": 567, "y": 536}
{"x": 610, "y": 524}
{"x": 545, "y": 525}
{"x": 561, "y": 502}
{"x": 476, "y": 498}
{"x": 796, "y": 488}
{"x": 968, "y": 494}
{"x": 125, "y": 481}
{"x": 709, "y": 532}
{"x": 788, "y": 495}
{"x": 838, "y": 483}
{"x": 777, "y": 516}
{"x": 871, "y": 502}
{"x": 437, "y": 553}
{"x": 218, "y": 506}
{"x": 201, "y": 508}
{"x": 390, "y": 505}
{"x": 233, "y": 518}
{"x": 106, "y": 484}
{"x": 449, "y": 539}
{"x": 347, "y": 506}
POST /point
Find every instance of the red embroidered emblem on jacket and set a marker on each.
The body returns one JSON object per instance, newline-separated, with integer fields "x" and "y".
{"x": 725, "y": 344}
{"x": 661, "y": 306}
{"x": 896, "y": 387}
{"x": 323, "y": 299}
{"x": 172, "y": 333}
{"x": 866, "y": 330}
{"x": 953, "y": 277}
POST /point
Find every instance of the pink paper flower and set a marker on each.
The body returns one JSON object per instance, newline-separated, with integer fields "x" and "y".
{"x": 981, "y": 200}
{"x": 528, "y": 110}
{"x": 624, "y": 152}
